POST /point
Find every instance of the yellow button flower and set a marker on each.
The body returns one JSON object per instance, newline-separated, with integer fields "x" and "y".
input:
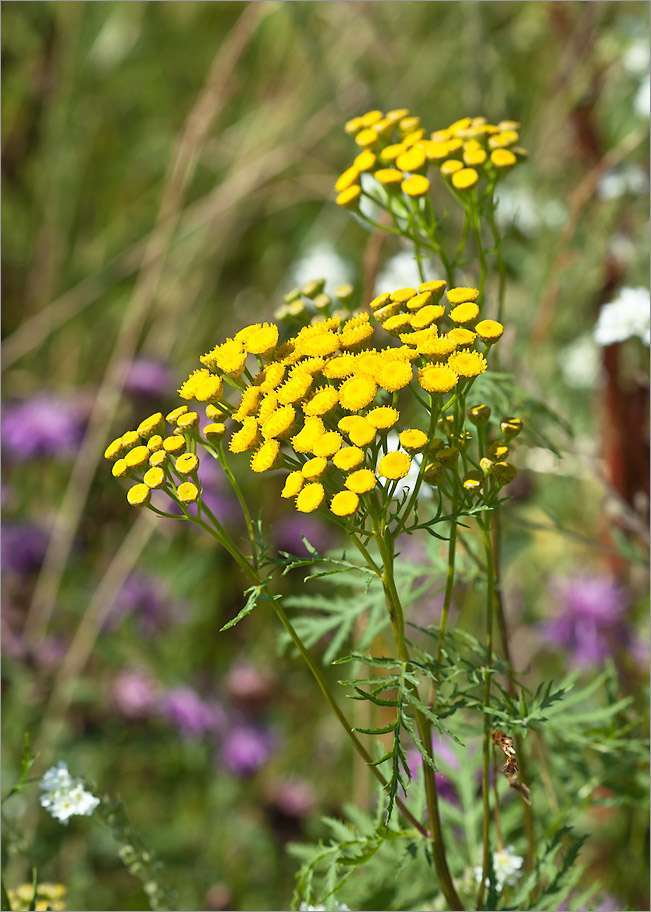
{"x": 263, "y": 340}
{"x": 461, "y": 295}
{"x": 295, "y": 388}
{"x": 449, "y": 167}
{"x": 465, "y": 178}
{"x": 279, "y": 423}
{"x": 137, "y": 457}
{"x": 139, "y": 495}
{"x": 187, "y": 492}
{"x": 503, "y": 158}
{"x": 390, "y": 178}
{"x": 328, "y": 445}
{"x": 202, "y": 386}
{"x": 396, "y": 323}
{"x": 367, "y": 137}
{"x": 390, "y": 153}
{"x": 394, "y": 466}
{"x": 359, "y": 430}
{"x": 175, "y": 444}
{"x": 158, "y": 459}
{"x": 349, "y": 199}
{"x": 365, "y": 161}
{"x": 426, "y": 316}
{"x": 361, "y": 482}
{"x": 314, "y": 468}
{"x": 187, "y": 421}
{"x": 419, "y": 300}
{"x": 246, "y": 438}
{"x": 115, "y": 449}
{"x": 214, "y": 431}
{"x": 176, "y": 413}
{"x": 266, "y": 456}
{"x": 348, "y": 458}
{"x": 323, "y": 401}
{"x": 402, "y": 294}
{"x": 154, "y": 477}
{"x": 415, "y": 186}
{"x": 155, "y": 443}
{"x": 187, "y": 464}
{"x": 467, "y": 363}
{"x": 394, "y": 375}
{"x": 313, "y": 430}
{"x": 464, "y": 313}
{"x": 293, "y": 484}
{"x": 380, "y": 300}
{"x": 383, "y": 417}
{"x": 229, "y": 357}
{"x": 437, "y": 347}
{"x": 152, "y": 425}
{"x": 310, "y": 498}
{"x": 120, "y": 468}
{"x": 268, "y": 406}
{"x": 413, "y": 440}
{"x": 344, "y": 503}
{"x": 412, "y": 159}
{"x": 356, "y": 393}
{"x": 489, "y": 330}
{"x": 349, "y": 178}
{"x": 462, "y": 336}
{"x": 437, "y": 378}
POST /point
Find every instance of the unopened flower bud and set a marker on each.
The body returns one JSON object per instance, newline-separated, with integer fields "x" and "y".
{"x": 433, "y": 471}
{"x": 313, "y": 288}
{"x": 322, "y": 302}
{"x": 486, "y": 465}
{"x": 511, "y": 427}
{"x": 345, "y": 293}
{"x": 472, "y": 481}
{"x": 292, "y": 295}
{"x": 479, "y": 414}
{"x": 447, "y": 455}
{"x": 504, "y": 472}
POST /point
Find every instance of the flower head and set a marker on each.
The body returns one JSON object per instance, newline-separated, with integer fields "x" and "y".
{"x": 202, "y": 386}
{"x": 310, "y": 498}
{"x": 344, "y": 503}
{"x": 437, "y": 378}
{"x": 467, "y": 363}
{"x": 63, "y": 797}
{"x": 361, "y": 482}
{"x": 394, "y": 465}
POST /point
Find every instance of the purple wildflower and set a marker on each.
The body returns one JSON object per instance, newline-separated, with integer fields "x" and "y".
{"x": 41, "y": 426}
{"x": 23, "y": 547}
{"x": 294, "y": 797}
{"x": 588, "y": 620}
{"x": 246, "y": 747}
{"x": 134, "y": 693}
{"x": 185, "y": 710}
{"x": 143, "y": 598}
{"x": 147, "y": 378}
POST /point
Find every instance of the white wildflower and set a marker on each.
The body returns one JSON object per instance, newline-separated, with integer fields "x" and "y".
{"x": 579, "y": 362}
{"x": 62, "y": 796}
{"x": 507, "y": 867}
{"x": 625, "y": 317}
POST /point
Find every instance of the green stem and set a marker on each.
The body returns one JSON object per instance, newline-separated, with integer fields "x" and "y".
{"x": 449, "y": 588}
{"x": 327, "y": 693}
{"x": 242, "y": 502}
{"x": 396, "y": 617}
{"x": 484, "y": 525}
{"x": 476, "y": 228}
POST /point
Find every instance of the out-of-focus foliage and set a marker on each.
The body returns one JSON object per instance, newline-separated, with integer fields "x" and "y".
{"x": 168, "y": 172}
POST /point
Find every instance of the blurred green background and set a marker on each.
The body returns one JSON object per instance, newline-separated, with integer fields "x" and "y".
{"x": 167, "y": 176}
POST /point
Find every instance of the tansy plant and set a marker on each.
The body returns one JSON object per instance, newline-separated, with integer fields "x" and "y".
{"x": 372, "y": 418}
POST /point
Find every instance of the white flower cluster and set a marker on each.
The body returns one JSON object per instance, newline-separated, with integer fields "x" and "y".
{"x": 625, "y": 317}
{"x": 62, "y": 796}
{"x": 506, "y": 865}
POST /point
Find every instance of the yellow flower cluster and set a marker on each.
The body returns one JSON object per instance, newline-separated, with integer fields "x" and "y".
{"x": 398, "y": 153}
{"x": 48, "y": 896}
{"x": 155, "y": 460}
{"x": 414, "y": 315}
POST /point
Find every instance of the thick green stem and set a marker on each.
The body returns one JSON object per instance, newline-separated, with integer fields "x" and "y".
{"x": 490, "y": 601}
